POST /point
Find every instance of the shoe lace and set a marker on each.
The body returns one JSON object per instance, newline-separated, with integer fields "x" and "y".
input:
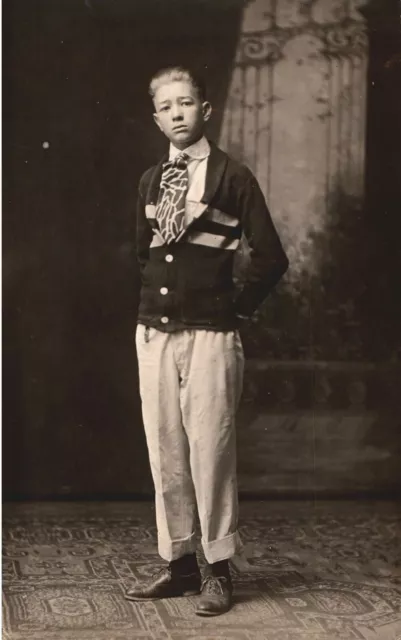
{"x": 213, "y": 585}
{"x": 161, "y": 571}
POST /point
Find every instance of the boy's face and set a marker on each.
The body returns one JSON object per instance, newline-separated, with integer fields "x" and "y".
{"x": 179, "y": 112}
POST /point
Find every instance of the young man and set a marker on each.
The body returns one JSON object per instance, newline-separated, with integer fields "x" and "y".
{"x": 193, "y": 208}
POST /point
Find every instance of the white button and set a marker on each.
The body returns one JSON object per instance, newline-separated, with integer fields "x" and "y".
{"x": 169, "y": 258}
{"x": 164, "y": 291}
{"x": 164, "y": 320}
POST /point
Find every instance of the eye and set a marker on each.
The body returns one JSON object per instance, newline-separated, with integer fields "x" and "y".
{"x": 165, "y": 108}
{"x": 187, "y": 103}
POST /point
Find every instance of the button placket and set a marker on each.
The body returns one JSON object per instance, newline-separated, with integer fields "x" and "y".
{"x": 164, "y": 290}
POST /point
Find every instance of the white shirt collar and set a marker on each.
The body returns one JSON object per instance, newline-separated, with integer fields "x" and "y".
{"x": 197, "y": 151}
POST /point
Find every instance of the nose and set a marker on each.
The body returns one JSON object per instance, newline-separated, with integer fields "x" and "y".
{"x": 176, "y": 112}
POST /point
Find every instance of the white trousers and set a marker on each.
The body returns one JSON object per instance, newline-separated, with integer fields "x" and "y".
{"x": 190, "y": 385}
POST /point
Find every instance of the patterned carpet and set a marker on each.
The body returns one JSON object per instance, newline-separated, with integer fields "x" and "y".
{"x": 309, "y": 572}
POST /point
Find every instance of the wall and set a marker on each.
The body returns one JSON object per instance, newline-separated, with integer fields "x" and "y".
{"x": 75, "y": 76}
{"x": 320, "y": 411}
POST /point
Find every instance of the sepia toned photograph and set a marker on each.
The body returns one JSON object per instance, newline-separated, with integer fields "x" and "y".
{"x": 201, "y": 296}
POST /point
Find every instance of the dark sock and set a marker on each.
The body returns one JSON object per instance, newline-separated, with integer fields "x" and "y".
{"x": 185, "y": 565}
{"x": 221, "y": 568}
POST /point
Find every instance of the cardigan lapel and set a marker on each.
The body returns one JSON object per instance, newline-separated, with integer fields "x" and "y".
{"x": 154, "y": 183}
{"x": 216, "y": 167}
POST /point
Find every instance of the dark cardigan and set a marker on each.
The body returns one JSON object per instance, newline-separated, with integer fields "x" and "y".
{"x": 189, "y": 283}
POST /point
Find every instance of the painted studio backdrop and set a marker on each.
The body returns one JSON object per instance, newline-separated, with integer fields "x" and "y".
{"x": 305, "y": 93}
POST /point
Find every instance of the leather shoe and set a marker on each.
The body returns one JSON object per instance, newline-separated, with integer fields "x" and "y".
{"x": 166, "y": 584}
{"x": 216, "y": 597}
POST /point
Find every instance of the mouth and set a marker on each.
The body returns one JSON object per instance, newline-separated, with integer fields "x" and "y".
{"x": 180, "y": 128}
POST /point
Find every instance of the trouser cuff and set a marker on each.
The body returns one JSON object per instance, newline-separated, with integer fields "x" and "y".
{"x": 222, "y": 549}
{"x": 173, "y": 549}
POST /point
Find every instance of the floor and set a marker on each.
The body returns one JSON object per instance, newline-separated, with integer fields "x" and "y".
{"x": 308, "y": 572}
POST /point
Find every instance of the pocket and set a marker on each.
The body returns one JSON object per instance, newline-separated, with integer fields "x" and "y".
{"x": 138, "y": 331}
{"x": 144, "y": 334}
{"x": 141, "y": 335}
{"x": 240, "y": 362}
{"x": 238, "y": 341}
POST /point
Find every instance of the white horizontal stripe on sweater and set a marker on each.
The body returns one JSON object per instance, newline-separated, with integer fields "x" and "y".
{"x": 215, "y": 215}
{"x": 222, "y": 218}
{"x": 201, "y": 238}
{"x": 211, "y": 240}
{"x": 157, "y": 241}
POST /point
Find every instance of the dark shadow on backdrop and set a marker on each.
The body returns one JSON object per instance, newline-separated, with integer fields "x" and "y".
{"x": 383, "y": 170}
{"x": 75, "y": 76}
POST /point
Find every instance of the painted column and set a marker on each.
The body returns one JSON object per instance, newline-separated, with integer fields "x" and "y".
{"x": 295, "y": 112}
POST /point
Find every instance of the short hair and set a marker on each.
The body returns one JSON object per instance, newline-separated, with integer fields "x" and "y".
{"x": 177, "y": 73}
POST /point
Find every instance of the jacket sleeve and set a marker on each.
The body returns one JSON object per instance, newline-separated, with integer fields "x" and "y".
{"x": 268, "y": 261}
{"x": 143, "y": 229}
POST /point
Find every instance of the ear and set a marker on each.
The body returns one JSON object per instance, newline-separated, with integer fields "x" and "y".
{"x": 157, "y": 121}
{"x": 207, "y": 111}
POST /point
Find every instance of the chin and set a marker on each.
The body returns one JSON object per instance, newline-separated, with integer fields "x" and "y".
{"x": 184, "y": 139}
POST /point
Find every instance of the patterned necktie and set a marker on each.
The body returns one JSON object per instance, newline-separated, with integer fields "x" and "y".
{"x": 170, "y": 208}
